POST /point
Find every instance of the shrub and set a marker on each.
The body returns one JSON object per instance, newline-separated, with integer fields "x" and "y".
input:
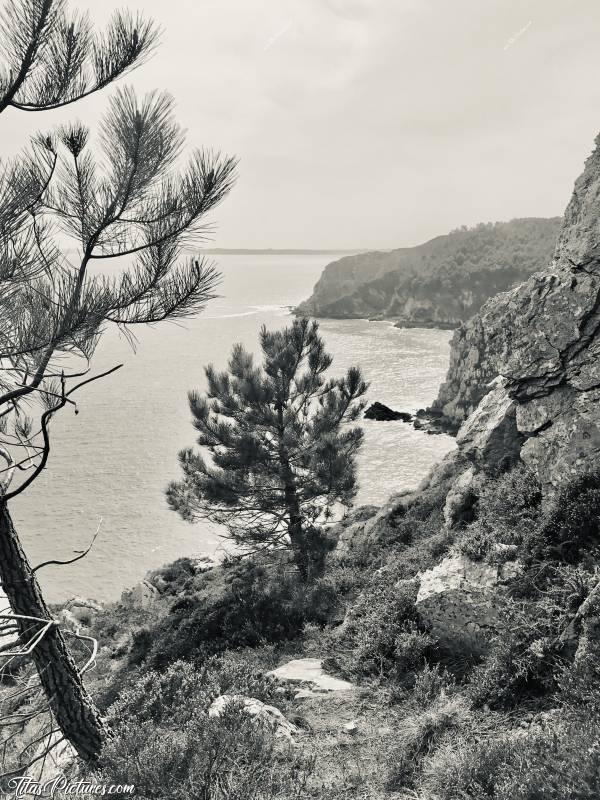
{"x": 422, "y": 553}
{"x": 580, "y": 685}
{"x": 412, "y": 537}
{"x": 571, "y": 529}
{"x": 561, "y": 762}
{"x": 557, "y": 764}
{"x": 422, "y": 518}
{"x": 380, "y": 635}
{"x": 182, "y": 690}
{"x": 519, "y": 664}
{"x": 245, "y": 604}
{"x": 461, "y": 769}
{"x": 141, "y": 644}
{"x": 421, "y": 734}
{"x": 226, "y": 758}
{"x": 430, "y": 683}
{"x": 533, "y": 656}
{"x": 166, "y": 744}
{"x": 411, "y": 648}
{"x": 508, "y": 510}
{"x": 176, "y": 577}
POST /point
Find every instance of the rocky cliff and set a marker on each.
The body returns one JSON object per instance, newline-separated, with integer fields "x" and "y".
{"x": 438, "y": 284}
{"x": 473, "y": 365}
{"x": 543, "y": 340}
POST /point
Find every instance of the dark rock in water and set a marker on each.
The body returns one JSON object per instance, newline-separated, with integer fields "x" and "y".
{"x": 428, "y": 324}
{"x": 381, "y": 413}
{"x": 433, "y": 421}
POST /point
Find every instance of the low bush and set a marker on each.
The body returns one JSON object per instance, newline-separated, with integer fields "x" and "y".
{"x": 381, "y": 636}
{"x": 464, "y": 769}
{"x": 507, "y": 513}
{"x": 166, "y": 744}
{"x": 417, "y": 522}
{"x": 176, "y": 577}
{"x": 571, "y": 529}
{"x": 421, "y": 733}
{"x": 560, "y": 762}
{"x": 430, "y": 683}
{"x": 412, "y": 536}
{"x": 183, "y": 689}
{"x": 230, "y": 757}
{"x": 533, "y": 656}
{"x": 520, "y": 664}
{"x": 244, "y": 604}
{"x": 579, "y": 685}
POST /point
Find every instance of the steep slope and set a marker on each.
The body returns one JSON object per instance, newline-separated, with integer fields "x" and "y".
{"x": 543, "y": 340}
{"x": 439, "y": 283}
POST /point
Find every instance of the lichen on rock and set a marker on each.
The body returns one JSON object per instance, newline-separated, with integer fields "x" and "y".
{"x": 461, "y": 600}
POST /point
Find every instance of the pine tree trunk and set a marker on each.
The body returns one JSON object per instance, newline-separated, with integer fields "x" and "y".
{"x": 73, "y": 708}
{"x": 296, "y": 532}
{"x": 292, "y": 506}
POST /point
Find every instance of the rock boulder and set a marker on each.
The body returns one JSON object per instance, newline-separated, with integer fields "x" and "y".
{"x": 262, "y": 713}
{"x": 461, "y": 600}
{"x": 144, "y": 595}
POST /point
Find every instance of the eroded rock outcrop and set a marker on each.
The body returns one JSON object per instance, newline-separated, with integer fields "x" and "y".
{"x": 524, "y": 386}
{"x": 471, "y": 370}
{"x": 543, "y": 338}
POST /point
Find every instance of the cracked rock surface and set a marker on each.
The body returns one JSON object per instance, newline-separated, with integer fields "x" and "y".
{"x": 460, "y": 600}
{"x": 543, "y": 338}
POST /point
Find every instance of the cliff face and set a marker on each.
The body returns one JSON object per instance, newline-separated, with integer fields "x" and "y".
{"x": 543, "y": 339}
{"x": 342, "y": 277}
{"x": 473, "y": 365}
{"x": 437, "y": 284}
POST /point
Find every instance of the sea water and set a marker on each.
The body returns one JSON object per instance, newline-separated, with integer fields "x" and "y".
{"x": 110, "y": 464}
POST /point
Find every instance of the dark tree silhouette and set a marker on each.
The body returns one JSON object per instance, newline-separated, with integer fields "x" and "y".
{"x": 281, "y": 453}
{"x": 129, "y": 194}
{"x": 52, "y": 57}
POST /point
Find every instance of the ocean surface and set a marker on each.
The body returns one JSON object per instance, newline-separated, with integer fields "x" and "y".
{"x": 110, "y": 464}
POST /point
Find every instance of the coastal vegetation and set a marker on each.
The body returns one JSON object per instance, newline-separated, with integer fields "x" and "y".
{"x": 429, "y": 717}
{"x": 438, "y": 284}
{"x": 460, "y": 619}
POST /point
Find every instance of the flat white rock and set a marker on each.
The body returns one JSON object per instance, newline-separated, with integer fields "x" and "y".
{"x": 310, "y": 671}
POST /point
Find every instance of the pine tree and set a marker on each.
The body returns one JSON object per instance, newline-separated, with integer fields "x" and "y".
{"x": 281, "y": 454}
{"x": 67, "y": 209}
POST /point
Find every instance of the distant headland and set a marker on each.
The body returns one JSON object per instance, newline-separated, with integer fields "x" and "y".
{"x": 283, "y": 251}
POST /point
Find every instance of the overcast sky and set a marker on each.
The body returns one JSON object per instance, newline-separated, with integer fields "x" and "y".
{"x": 375, "y": 123}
